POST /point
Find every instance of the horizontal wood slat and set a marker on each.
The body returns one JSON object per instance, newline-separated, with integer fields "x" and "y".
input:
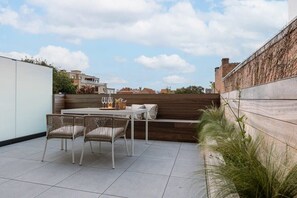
{"x": 170, "y": 106}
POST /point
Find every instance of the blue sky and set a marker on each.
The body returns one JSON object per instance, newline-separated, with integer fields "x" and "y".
{"x": 139, "y": 43}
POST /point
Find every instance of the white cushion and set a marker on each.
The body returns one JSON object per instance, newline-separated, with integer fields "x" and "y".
{"x": 152, "y": 111}
{"x": 135, "y": 107}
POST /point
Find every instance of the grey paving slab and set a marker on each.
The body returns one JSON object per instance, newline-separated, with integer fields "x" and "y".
{"x": 51, "y": 173}
{"x": 194, "y": 155}
{"x": 152, "y": 165}
{"x": 91, "y": 179}
{"x": 188, "y": 168}
{"x": 66, "y": 193}
{"x": 51, "y": 155}
{"x": 166, "y": 144}
{"x": 19, "y": 152}
{"x": 3, "y": 180}
{"x": 89, "y": 157}
{"x": 158, "y": 168}
{"x": 122, "y": 161}
{"x": 15, "y": 189}
{"x": 135, "y": 185}
{"x": 109, "y": 196}
{"x": 12, "y": 167}
{"x": 189, "y": 146}
{"x": 185, "y": 188}
{"x": 160, "y": 152}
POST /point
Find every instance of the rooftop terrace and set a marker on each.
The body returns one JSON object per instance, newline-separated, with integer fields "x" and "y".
{"x": 158, "y": 169}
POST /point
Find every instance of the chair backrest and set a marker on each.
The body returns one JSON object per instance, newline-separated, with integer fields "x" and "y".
{"x": 55, "y": 121}
{"x": 92, "y": 122}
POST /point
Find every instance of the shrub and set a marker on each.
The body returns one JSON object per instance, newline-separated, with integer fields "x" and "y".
{"x": 245, "y": 169}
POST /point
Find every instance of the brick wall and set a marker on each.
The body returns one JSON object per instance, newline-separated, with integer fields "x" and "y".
{"x": 276, "y": 60}
{"x": 221, "y": 72}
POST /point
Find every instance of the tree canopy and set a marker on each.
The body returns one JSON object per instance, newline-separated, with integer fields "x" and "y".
{"x": 62, "y": 83}
{"x": 190, "y": 90}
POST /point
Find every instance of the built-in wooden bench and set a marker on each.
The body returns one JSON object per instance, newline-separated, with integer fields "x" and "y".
{"x": 178, "y": 114}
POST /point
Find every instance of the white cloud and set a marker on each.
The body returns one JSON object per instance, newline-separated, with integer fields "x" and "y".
{"x": 174, "y": 79}
{"x": 64, "y": 58}
{"x": 57, "y": 56}
{"x": 115, "y": 80}
{"x": 226, "y": 32}
{"x": 169, "y": 62}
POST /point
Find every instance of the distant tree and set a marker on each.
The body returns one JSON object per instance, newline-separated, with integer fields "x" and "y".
{"x": 86, "y": 90}
{"x": 62, "y": 83}
{"x": 190, "y": 90}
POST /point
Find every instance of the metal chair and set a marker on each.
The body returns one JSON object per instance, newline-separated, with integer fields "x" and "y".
{"x": 105, "y": 129}
{"x": 63, "y": 126}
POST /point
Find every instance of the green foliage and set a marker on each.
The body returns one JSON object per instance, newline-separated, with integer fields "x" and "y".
{"x": 86, "y": 90}
{"x": 62, "y": 83}
{"x": 250, "y": 167}
{"x": 190, "y": 90}
{"x": 36, "y": 61}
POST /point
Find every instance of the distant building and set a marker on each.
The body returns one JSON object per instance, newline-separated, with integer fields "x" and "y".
{"x": 147, "y": 91}
{"x": 208, "y": 90}
{"x": 166, "y": 91}
{"x": 80, "y": 79}
{"x": 221, "y": 72}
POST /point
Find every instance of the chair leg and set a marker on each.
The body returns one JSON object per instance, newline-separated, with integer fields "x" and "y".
{"x": 62, "y": 144}
{"x": 126, "y": 145}
{"x": 100, "y": 147}
{"x": 65, "y": 145}
{"x": 44, "y": 150}
{"x": 72, "y": 151}
{"x": 82, "y": 154}
{"x": 112, "y": 154}
{"x": 91, "y": 147}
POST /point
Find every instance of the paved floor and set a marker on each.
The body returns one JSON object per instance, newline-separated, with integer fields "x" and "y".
{"x": 158, "y": 169}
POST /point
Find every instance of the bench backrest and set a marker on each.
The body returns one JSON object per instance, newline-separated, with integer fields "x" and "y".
{"x": 171, "y": 106}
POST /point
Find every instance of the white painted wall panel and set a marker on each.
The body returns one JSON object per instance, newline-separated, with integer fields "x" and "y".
{"x": 7, "y": 98}
{"x": 33, "y": 98}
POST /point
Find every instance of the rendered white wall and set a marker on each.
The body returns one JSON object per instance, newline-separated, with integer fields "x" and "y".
{"x": 7, "y": 98}
{"x": 26, "y": 97}
{"x": 33, "y": 98}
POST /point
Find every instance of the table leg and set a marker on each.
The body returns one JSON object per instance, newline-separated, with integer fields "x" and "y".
{"x": 132, "y": 134}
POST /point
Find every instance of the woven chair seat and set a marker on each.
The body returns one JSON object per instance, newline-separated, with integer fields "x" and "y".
{"x": 105, "y": 133}
{"x": 67, "y": 132}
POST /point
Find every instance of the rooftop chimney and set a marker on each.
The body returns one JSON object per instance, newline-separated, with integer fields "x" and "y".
{"x": 225, "y": 61}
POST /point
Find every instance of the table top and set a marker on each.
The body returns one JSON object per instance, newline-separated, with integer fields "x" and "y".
{"x": 127, "y": 111}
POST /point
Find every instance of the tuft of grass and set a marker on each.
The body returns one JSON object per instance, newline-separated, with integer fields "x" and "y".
{"x": 246, "y": 169}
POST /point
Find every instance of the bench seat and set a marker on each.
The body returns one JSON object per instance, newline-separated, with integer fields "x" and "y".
{"x": 173, "y": 120}
{"x": 179, "y": 130}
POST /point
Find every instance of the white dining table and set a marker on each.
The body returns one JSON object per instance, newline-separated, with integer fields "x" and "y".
{"x": 127, "y": 112}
